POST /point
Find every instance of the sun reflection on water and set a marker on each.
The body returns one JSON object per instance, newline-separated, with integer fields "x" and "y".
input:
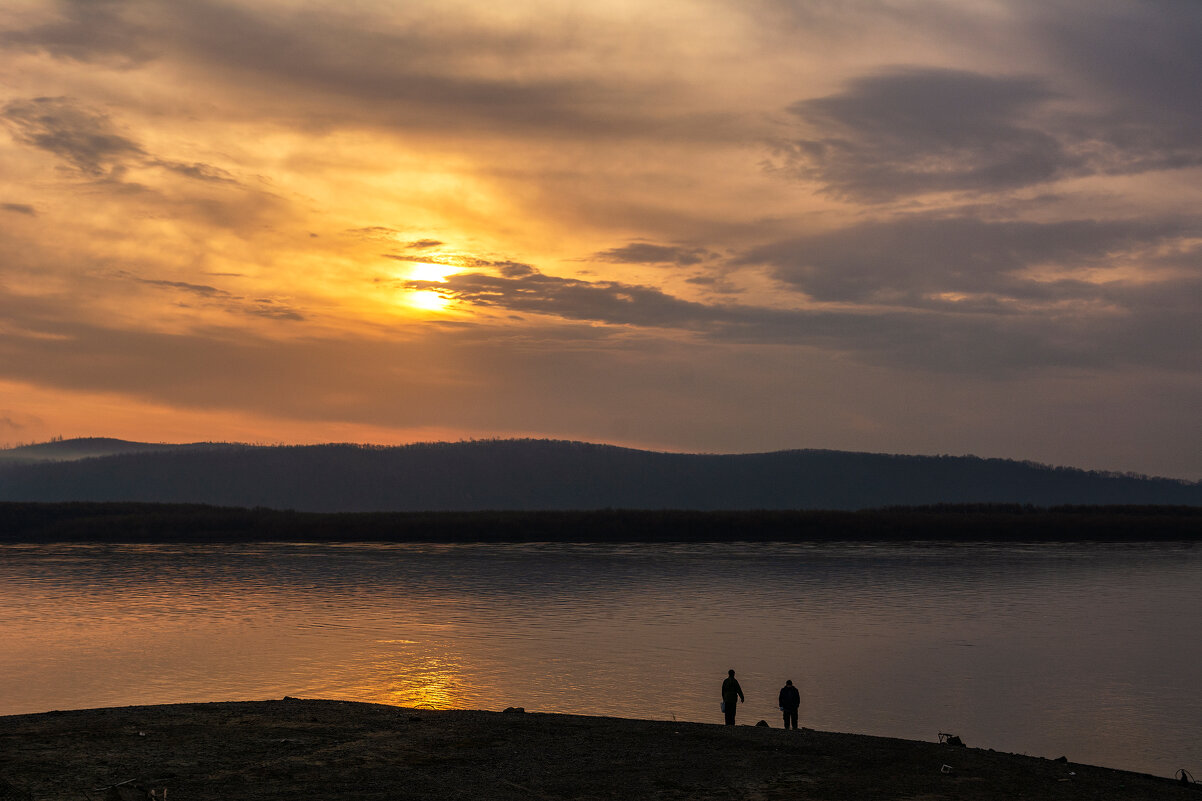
{"x": 421, "y": 682}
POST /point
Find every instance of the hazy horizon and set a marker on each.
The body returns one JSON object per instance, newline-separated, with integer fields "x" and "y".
{"x": 919, "y": 228}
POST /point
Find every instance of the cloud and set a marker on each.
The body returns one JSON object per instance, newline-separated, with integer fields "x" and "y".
{"x": 19, "y": 208}
{"x": 613, "y": 303}
{"x": 648, "y": 253}
{"x": 1140, "y": 58}
{"x": 908, "y": 260}
{"x": 507, "y": 268}
{"x": 522, "y": 288}
{"x": 196, "y": 170}
{"x": 376, "y": 232}
{"x": 422, "y": 244}
{"x": 914, "y": 130}
{"x": 237, "y": 304}
{"x": 88, "y": 31}
{"x": 9, "y": 423}
{"x": 1138, "y": 65}
{"x": 715, "y": 283}
{"x": 273, "y": 309}
{"x": 85, "y": 139}
{"x": 90, "y": 141}
{"x": 943, "y": 295}
{"x": 198, "y": 289}
{"x": 414, "y": 66}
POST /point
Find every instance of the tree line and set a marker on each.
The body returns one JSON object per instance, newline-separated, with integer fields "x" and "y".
{"x": 192, "y": 523}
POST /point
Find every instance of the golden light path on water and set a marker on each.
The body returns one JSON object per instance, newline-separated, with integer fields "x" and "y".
{"x": 429, "y": 683}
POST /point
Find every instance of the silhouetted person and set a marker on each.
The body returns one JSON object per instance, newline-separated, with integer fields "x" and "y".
{"x": 732, "y": 694}
{"x": 790, "y": 700}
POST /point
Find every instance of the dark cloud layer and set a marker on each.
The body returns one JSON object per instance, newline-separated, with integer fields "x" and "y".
{"x": 423, "y": 75}
{"x": 911, "y": 131}
{"x": 1065, "y": 324}
{"x": 648, "y": 253}
{"x": 921, "y": 130}
{"x": 88, "y": 31}
{"x": 530, "y": 291}
{"x": 1142, "y": 58}
{"x": 89, "y": 141}
{"x": 966, "y": 249}
{"x": 909, "y": 259}
{"x": 85, "y": 139}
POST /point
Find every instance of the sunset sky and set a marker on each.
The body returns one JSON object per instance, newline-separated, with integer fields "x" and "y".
{"x": 954, "y": 226}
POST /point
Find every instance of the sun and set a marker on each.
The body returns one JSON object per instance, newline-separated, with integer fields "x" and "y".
{"x": 430, "y": 300}
{"x": 426, "y": 300}
{"x": 426, "y": 271}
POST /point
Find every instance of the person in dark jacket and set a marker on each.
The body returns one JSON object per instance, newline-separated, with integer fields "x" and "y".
{"x": 732, "y": 693}
{"x": 790, "y": 700}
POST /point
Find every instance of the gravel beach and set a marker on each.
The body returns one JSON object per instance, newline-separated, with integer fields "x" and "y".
{"x": 322, "y": 750}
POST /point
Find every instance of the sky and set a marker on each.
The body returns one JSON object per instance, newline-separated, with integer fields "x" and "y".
{"x": 935, "y": 226}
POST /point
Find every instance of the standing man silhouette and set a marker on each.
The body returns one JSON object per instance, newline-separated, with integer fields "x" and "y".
{"x": 790, "y": 700}
{"x": 732, "y": 693}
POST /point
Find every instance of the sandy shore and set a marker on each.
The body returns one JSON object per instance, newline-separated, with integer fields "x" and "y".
{"x": 316, "y": 750}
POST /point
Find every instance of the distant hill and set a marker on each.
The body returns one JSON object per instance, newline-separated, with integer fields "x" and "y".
{"x": 550, "y": 475}
{"x": 60, "y": 450}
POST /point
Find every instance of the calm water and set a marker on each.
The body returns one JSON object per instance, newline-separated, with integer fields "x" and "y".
{"x": 1090, "y": 651}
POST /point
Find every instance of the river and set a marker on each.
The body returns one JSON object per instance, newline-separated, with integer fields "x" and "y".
{"x": 1084, "y": 650}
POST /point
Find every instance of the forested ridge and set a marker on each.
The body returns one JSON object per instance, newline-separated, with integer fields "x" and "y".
{"x": 551, "y": 475}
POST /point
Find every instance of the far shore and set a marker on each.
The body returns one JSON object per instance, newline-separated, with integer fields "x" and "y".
{"x": 322, "y": 750}
{"x": 163, "y": 523}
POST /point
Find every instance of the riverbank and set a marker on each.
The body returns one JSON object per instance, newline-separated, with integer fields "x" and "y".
{"x": 334, "y": 750}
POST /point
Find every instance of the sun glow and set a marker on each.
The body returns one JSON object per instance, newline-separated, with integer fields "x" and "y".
{"x": 428, "y": 271}
{"x": 426, "y": 300}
